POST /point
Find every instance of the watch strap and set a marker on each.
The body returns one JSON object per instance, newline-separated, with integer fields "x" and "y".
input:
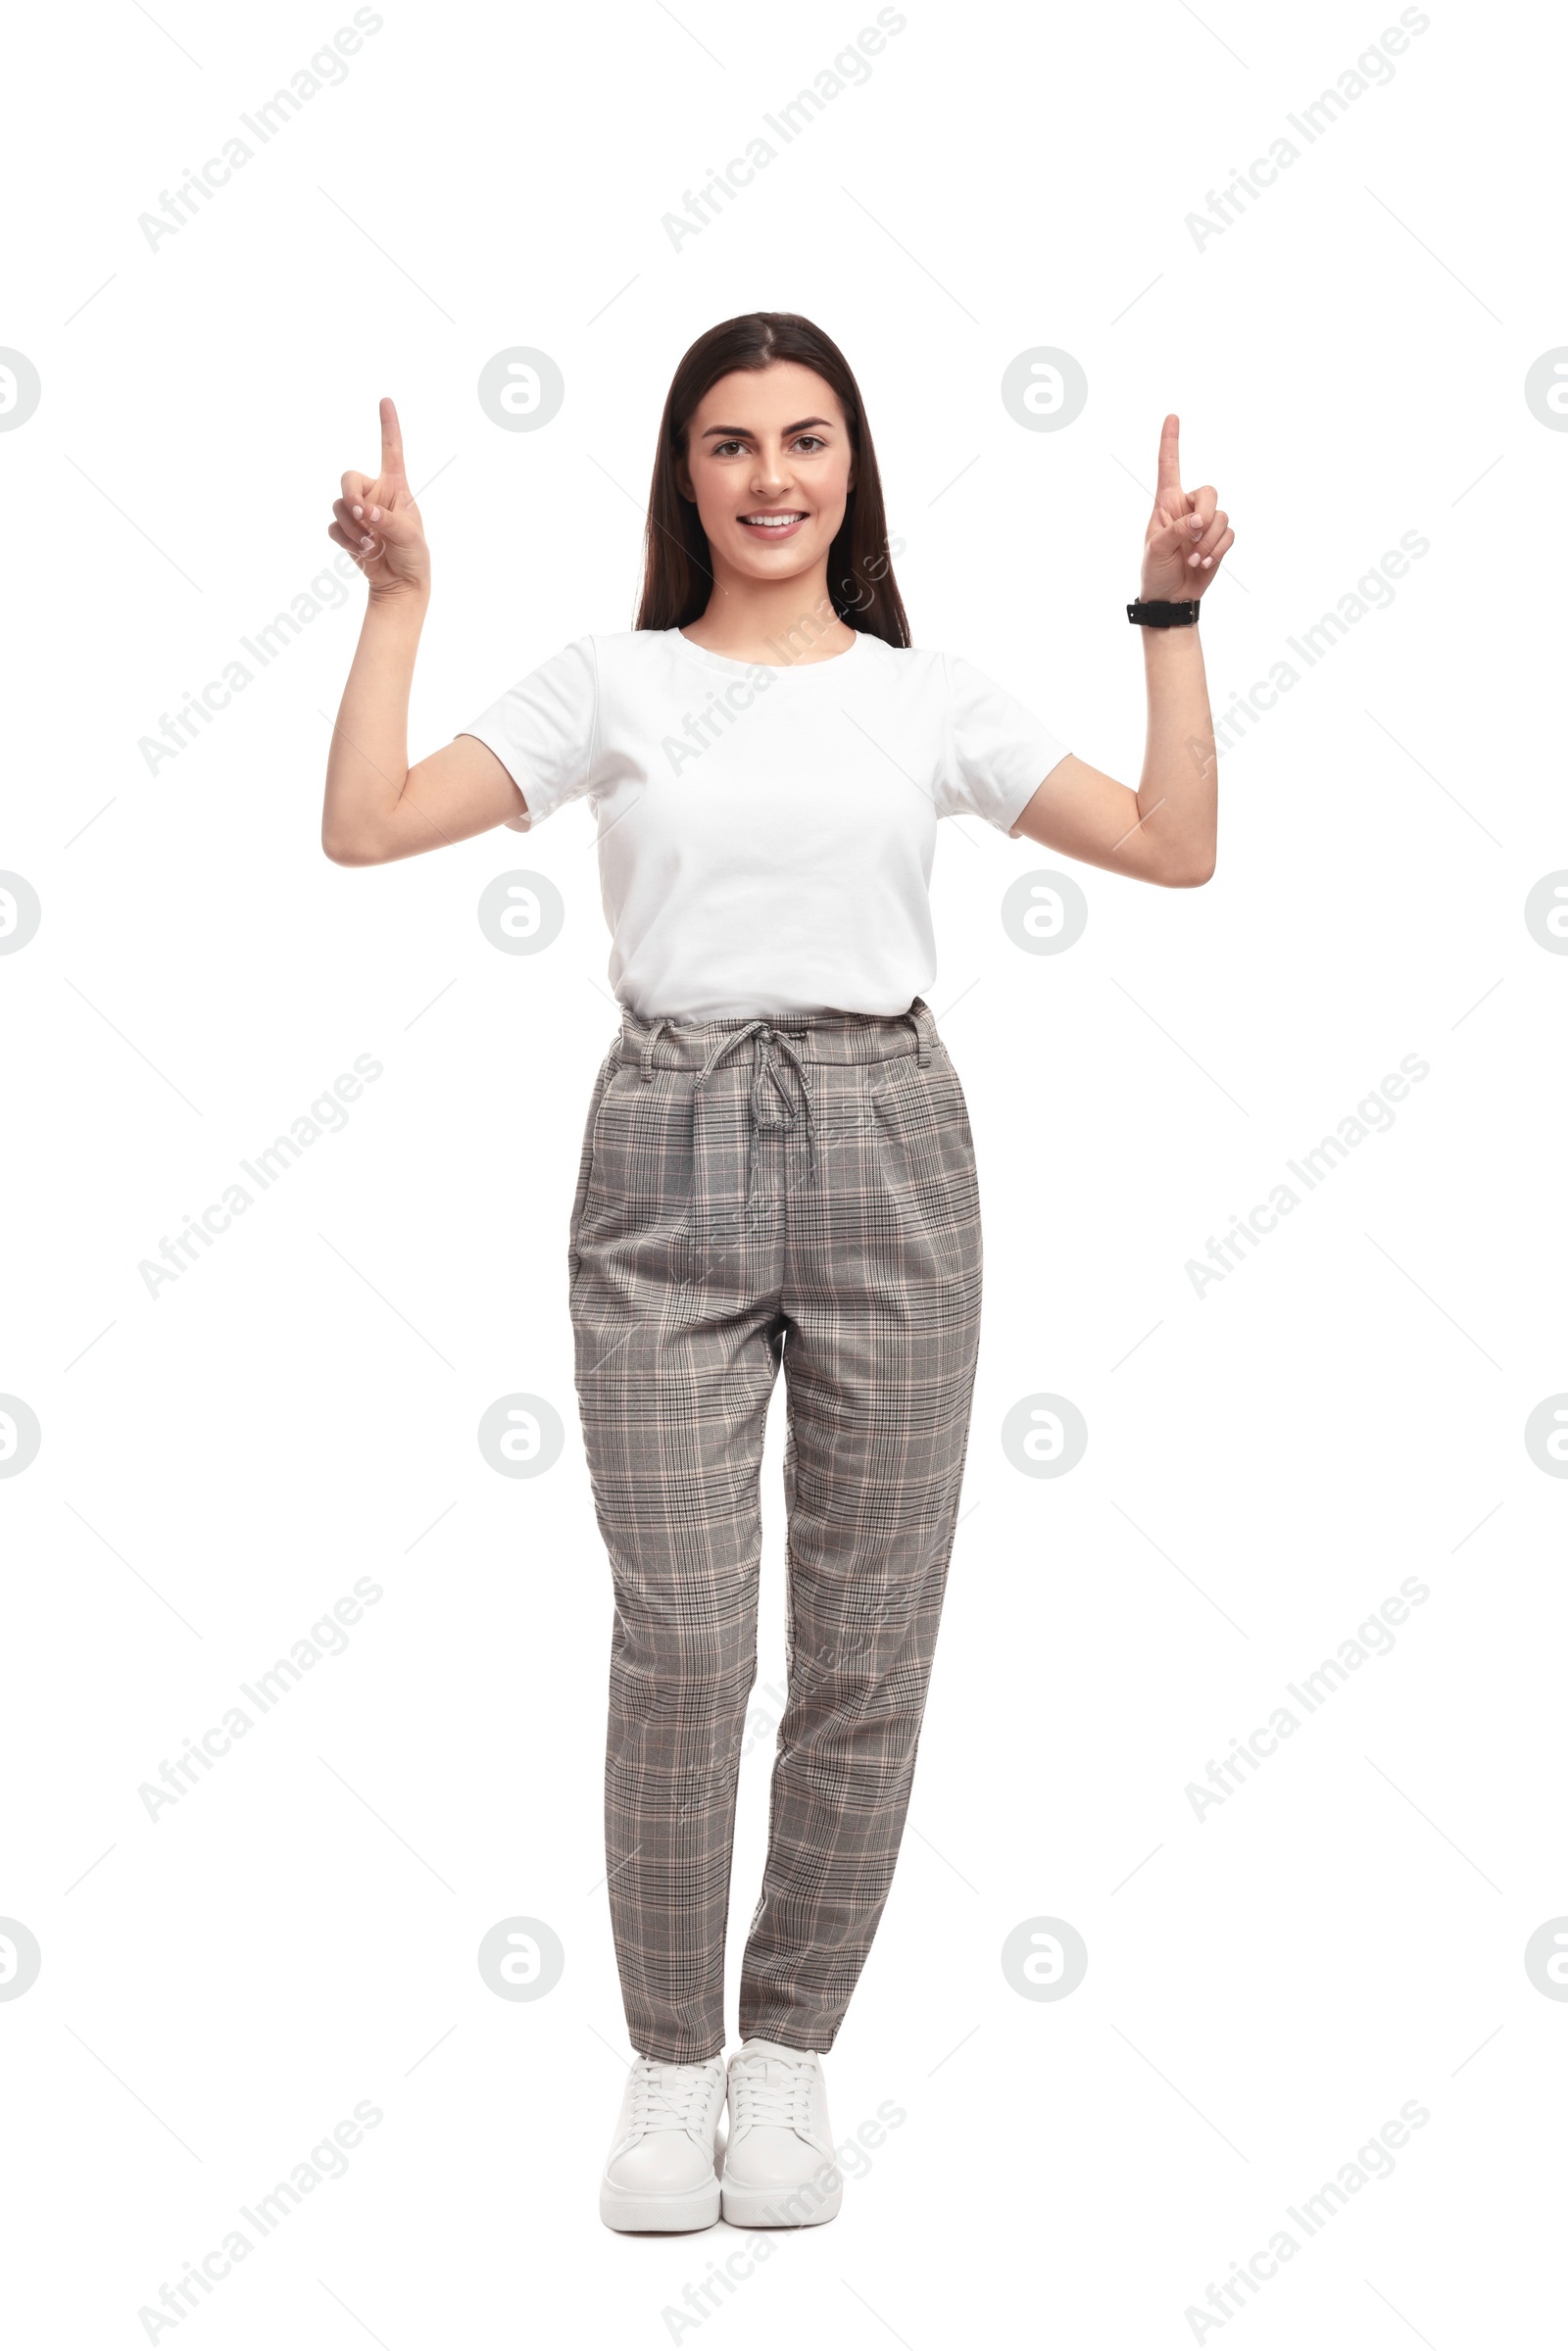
{"x": 1155, "y": 614}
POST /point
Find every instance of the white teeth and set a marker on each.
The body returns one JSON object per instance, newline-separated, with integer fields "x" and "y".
{"x": 771, "y": 521}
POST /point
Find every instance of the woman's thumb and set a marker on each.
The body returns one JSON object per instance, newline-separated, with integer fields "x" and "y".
{"x": 398, "y": 526}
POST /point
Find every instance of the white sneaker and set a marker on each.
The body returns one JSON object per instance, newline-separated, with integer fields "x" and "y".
{"x": 780, "y": 2171}
{"x": 662, "y": 2172}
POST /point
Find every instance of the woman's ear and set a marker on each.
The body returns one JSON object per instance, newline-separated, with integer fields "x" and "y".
{"x": 683, "y": 481}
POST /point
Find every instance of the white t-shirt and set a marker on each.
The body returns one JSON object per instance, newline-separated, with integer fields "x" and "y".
{"x": 765, "y": 835}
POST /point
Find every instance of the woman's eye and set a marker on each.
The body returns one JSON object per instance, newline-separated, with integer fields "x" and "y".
{"x": 808, "y": 441}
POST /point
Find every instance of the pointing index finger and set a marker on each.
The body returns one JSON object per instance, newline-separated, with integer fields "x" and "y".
{"x": 1169, "y": 483}
{"x": 391, "y": 444}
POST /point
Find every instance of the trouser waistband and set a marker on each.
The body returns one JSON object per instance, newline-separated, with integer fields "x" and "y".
{"x": 796, "y": 1039}
{"x": 834, "y": 1037}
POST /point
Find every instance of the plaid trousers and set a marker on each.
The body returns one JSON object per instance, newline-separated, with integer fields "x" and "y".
{"x": 798, "y": 1191}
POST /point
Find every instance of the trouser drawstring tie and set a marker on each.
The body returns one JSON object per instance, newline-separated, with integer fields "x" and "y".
{"x": 766, "y": 1080}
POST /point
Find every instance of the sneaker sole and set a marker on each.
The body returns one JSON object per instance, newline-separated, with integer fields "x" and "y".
{"x": 767, "y": 2207}
{"x": 691, "y": 2208}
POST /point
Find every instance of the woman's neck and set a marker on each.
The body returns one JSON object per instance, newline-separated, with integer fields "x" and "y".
{"x": 775, "y": 623}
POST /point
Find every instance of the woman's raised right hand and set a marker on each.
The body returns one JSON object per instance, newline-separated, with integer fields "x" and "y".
{"x": 379, "y": 524}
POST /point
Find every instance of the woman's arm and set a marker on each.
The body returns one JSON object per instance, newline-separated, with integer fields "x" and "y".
{"x": 1166, "y": 831}
{"x": 376, "y": 807}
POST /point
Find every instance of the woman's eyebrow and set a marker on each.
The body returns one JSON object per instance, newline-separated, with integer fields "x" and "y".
{"x": 743, "y": 432}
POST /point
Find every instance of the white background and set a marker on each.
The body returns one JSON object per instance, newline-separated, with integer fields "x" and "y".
{"x": 1266, "y": 1986}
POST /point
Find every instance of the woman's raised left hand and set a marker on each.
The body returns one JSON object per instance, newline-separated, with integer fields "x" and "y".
{"x": 1187, "y": 534}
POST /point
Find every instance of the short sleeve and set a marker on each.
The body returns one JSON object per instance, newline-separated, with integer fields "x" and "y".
{"x": 998, "y": 751}
{"x": 545, "y": 729}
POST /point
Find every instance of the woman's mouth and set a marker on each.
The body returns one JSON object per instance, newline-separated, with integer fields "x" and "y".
{"x": 783, "y": 524}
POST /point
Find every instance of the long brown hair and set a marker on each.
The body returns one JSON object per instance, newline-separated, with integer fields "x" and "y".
{"x": 677, "y": 572}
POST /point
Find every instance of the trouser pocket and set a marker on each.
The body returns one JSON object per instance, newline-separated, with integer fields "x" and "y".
{"x": 585, "y": 1164}
{"x": 924, "y": 1123}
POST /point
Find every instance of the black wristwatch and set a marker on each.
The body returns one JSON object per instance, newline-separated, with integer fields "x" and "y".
{"x": 1163, "y": 616}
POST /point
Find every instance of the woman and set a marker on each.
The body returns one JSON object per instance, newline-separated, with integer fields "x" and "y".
{"x": 777, "y": 1167}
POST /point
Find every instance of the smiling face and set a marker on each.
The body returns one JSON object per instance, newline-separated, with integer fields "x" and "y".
{"x": 770, "y": 467}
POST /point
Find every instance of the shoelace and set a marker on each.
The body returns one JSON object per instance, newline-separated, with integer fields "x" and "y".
{"x": 668, "y": 2097}
{"x": 774, "y": 2091}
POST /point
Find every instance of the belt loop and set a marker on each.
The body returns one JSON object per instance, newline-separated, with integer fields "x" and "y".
{"x": 925, "y": 1029}
{"x": 649, "y": 1043}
